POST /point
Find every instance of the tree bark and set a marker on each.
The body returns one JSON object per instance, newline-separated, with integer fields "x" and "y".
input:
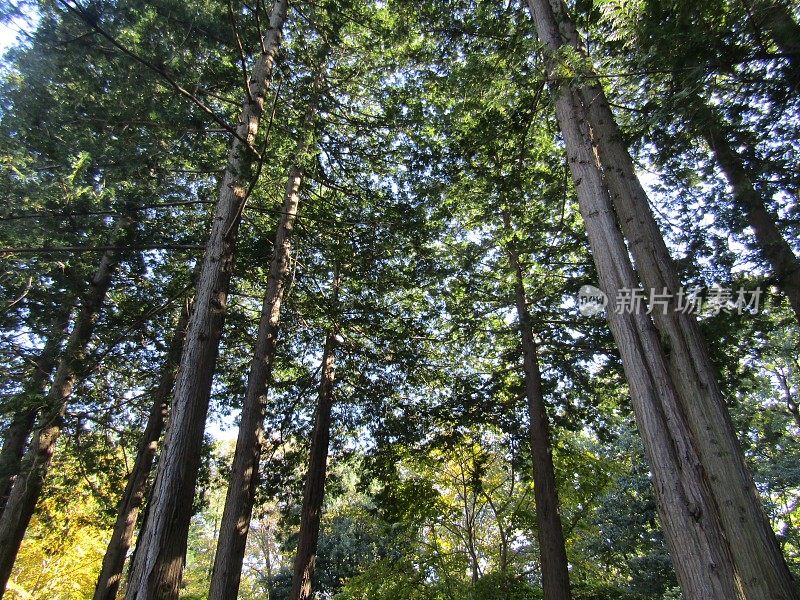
{"x": 158, "y": 563}
{"x": 314, "y": 492}
{"x": 688, "y": 512}
{"x": 28, "y": 486}
{"x": 136, "y": 487}
{"x": 21, "y": 426}
{"x": 552, "y": 551}
{"x": 758, "y": 563}
{"x": 772, "y": 245}
{"x": 243, "y": 480}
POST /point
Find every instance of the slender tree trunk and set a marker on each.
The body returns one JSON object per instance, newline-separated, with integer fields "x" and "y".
{"x": 314, "y": 493}
{"x": 773, "y": 246}
{"x": 158, "y": 563}
{"x": 28, "y": 486}
{"x": 553, "y": 553}
{"x": 758, "y": 563}
{"x": 244, "y": 475}
{"x": 688, "y": 513}
{"x": 136, "y": 488}
{"x": 21, "y": 426}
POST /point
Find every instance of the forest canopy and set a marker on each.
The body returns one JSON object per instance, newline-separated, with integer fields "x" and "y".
{"x": 366, "y": 300}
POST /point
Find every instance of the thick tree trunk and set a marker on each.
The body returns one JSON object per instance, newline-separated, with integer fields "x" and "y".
{"x": 158, "y": 562}
{"x": 314, "y": 493}
{"x": 758, "y": 563}
{"x": 771, "y": 243}
{"x": 244, "y": 474}
{"x": 135, "y": 490}
{"x": 19, "y": 430}
{"x": 552, "y": 551}
{"x": 28, "y": 486}
{"x": 689, "y": 515}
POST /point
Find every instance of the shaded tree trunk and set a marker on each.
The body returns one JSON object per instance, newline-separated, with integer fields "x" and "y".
{"x": 553, "y": 553}
{"x": 771, "y": 243}
{"x": 314, "y": 492}
{"x": 28, "y": 486}
{"x": 21, "y": 426}
{"x": 136, "y": 487}
{"x": 158, "y": 562}
{"x": 757, "y": 561}
{"x": 243, "y": 480}
{"x": 774, "y": 17}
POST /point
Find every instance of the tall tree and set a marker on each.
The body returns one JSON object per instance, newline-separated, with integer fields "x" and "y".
{"x": 238, "y": 509}
{"x": 157, "y": 567}
{"x": 314, "y": 490}
{"x": 555, "y": 569}
{"x": 758, "y": 564}
{"x": 135, "y": 490}
{"x": 28, "y": 486}
{"x": 19, "y": 430}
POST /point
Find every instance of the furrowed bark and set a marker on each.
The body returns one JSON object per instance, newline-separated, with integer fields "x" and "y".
{"x": 688, "y": 512}
{"x": 240, "y": 497}
{"x": 314, "y": 491}
{"x": 158, "y": 562}
{"x": 553, "y": 553}
{"x": 771, "y": 244}
{"x": 758, "y": 563}
{"x": 28, "y": 486}
{"x": 133, "y": 496}
{"x": 19, "y": 430}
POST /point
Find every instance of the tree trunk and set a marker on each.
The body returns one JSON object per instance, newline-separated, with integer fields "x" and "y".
{"x": 135, "y": 490}
{"x": 553, "y": 553}
{"x": 28, "y": 486}
{"x": 314, "y": 493}
{"x": 244, "y": 474}
{"x": 771, "y": 243}
{"x": 20, "y": 428}
{"x": 689, "y": 515}
{"x": 776, "y": 18}
{"x": 158, "y": 563}
{"x": 758, "y": 563}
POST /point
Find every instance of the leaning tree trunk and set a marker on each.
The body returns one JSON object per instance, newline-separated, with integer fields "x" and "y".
{"x": 134, "y": 493}
{"x": 778, "y": 21}
{"x": 21, "y": 426}
{"x": 757, "y": 560}
{"x": 771, "y": 244}
{"x": 242, "y": 483}
{"x": 314, "y": 492}
{"x": 552, "y": 551}
{"x": 158, "y": 562}
{"x": 688, "y": 513}
{"x": 28, "y": 486}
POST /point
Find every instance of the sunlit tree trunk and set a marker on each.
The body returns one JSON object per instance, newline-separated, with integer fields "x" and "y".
{"x": 158, "y": 562}
{"x": 244, "y": 474}
{"x": 757, "y": 563}
{"x": 314, "y": 492}
{"x": 136, "y": 487}
{"x": 552, "y": 551}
